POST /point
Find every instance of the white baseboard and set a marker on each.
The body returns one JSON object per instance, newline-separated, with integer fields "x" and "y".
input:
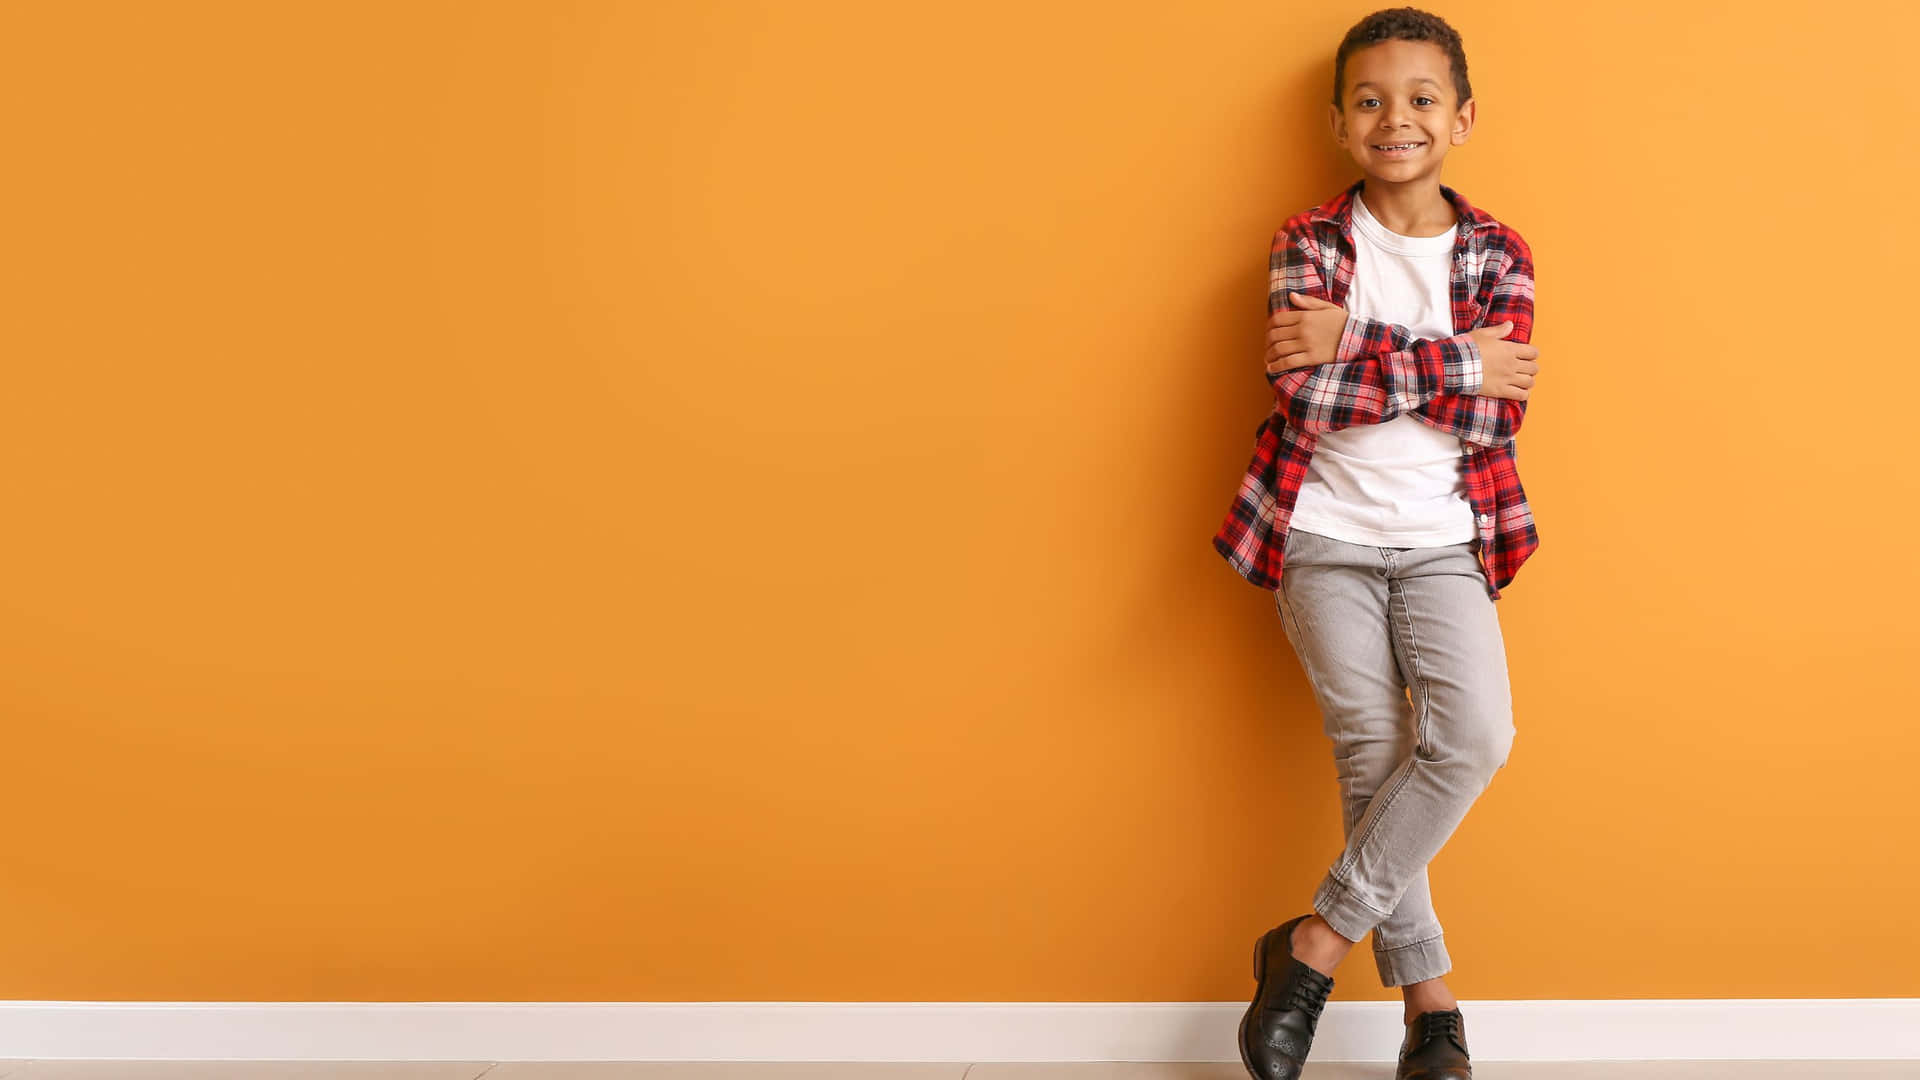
{"x": 1597, "y": 1030}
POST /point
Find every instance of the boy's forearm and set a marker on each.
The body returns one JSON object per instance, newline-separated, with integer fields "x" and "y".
{"x": 1369, "y": 389}
{"x": 1411, "y": 374}
{"x": 1453, "y": 362}
{"x": 1372, "y": 387}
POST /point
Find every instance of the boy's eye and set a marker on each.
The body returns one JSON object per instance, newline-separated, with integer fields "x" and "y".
{"x": 1365, "y": 102}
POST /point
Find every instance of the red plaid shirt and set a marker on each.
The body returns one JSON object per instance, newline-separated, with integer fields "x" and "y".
{"x": 1381, "y": 370}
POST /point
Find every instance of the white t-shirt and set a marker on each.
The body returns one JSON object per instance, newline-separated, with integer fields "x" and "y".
{"x": 1396, "y": 484}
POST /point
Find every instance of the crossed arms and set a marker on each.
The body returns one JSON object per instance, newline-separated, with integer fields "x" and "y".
{"x": 1381, "y": 370}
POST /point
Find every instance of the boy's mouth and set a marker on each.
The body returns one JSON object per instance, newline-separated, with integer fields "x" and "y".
{"x": 1397, "y": 149}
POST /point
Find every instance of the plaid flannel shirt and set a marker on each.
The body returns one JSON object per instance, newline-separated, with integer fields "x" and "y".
{"x": 1381, "y": 370}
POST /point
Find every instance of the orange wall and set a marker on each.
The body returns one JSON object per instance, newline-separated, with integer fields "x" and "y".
{"x": 612, "y": 501}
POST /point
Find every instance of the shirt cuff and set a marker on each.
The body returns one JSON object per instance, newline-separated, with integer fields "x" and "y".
{"x": 1464, "y": 377}
{"x": 1353, "y": 340}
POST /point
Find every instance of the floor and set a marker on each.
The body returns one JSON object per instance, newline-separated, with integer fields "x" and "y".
{"x": 1115, "y": 1070}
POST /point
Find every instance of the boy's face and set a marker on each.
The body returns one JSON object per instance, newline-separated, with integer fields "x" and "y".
{"x": 1400, "y": 92}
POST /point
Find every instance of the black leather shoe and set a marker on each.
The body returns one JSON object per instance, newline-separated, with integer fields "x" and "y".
{"x": 1435, "y": 1048}
{"x": 1277, "y": 1030}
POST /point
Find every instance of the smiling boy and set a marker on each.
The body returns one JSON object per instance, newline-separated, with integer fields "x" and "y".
{"x": 1383, "y": 507}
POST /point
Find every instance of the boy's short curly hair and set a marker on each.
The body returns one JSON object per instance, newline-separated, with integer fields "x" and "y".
{"x": 1404, "y": 24}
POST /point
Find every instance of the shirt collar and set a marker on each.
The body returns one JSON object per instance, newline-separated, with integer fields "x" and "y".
{"x": 1338, "y": 211}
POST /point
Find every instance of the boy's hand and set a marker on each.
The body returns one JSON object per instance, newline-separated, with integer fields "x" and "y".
{"x": 1507, "y": 368}
{"x": 1305, "y": 336}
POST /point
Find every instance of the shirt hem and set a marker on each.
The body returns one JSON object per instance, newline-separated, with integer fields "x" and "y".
{"x": 1380, "y": 539}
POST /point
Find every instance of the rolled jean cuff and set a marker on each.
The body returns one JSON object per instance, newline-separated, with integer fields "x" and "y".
{"x": 1344, "y": 911}
{"x": 1418, "y": 962}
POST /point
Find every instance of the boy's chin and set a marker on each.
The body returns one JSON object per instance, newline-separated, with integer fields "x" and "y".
{"x": 1395, "y": 175}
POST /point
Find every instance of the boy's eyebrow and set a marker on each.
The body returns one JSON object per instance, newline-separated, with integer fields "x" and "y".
{"x": 1421, "y": 79}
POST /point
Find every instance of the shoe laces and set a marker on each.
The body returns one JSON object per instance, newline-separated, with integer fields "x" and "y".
{"x": 1444, "y": 1023}
{"x": 1308, "y": 989}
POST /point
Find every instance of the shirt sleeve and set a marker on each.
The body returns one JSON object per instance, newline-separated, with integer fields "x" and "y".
{"x": 1376, "y": 379}
{"x": 1477, "y": 419}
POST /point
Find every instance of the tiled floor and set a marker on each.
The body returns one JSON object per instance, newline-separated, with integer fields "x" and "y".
{"x": 1099, "y": 1070}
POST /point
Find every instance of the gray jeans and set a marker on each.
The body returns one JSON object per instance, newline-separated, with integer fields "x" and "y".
{"x": 1372, "y": 627}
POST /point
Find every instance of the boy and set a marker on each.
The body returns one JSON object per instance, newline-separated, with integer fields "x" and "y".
{"x": 1384, "y": 482}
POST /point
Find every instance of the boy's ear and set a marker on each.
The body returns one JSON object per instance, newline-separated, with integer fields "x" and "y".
{"x": 1463, "y": 119}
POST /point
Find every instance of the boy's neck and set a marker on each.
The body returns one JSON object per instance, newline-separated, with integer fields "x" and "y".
{"x": 1413, "y": 208}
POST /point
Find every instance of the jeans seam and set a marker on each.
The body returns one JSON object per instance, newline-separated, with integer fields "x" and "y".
{"x": 1423, "y": 724}
{"x": 1350, "y": 894}
{"x": 1389, "y": 795}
